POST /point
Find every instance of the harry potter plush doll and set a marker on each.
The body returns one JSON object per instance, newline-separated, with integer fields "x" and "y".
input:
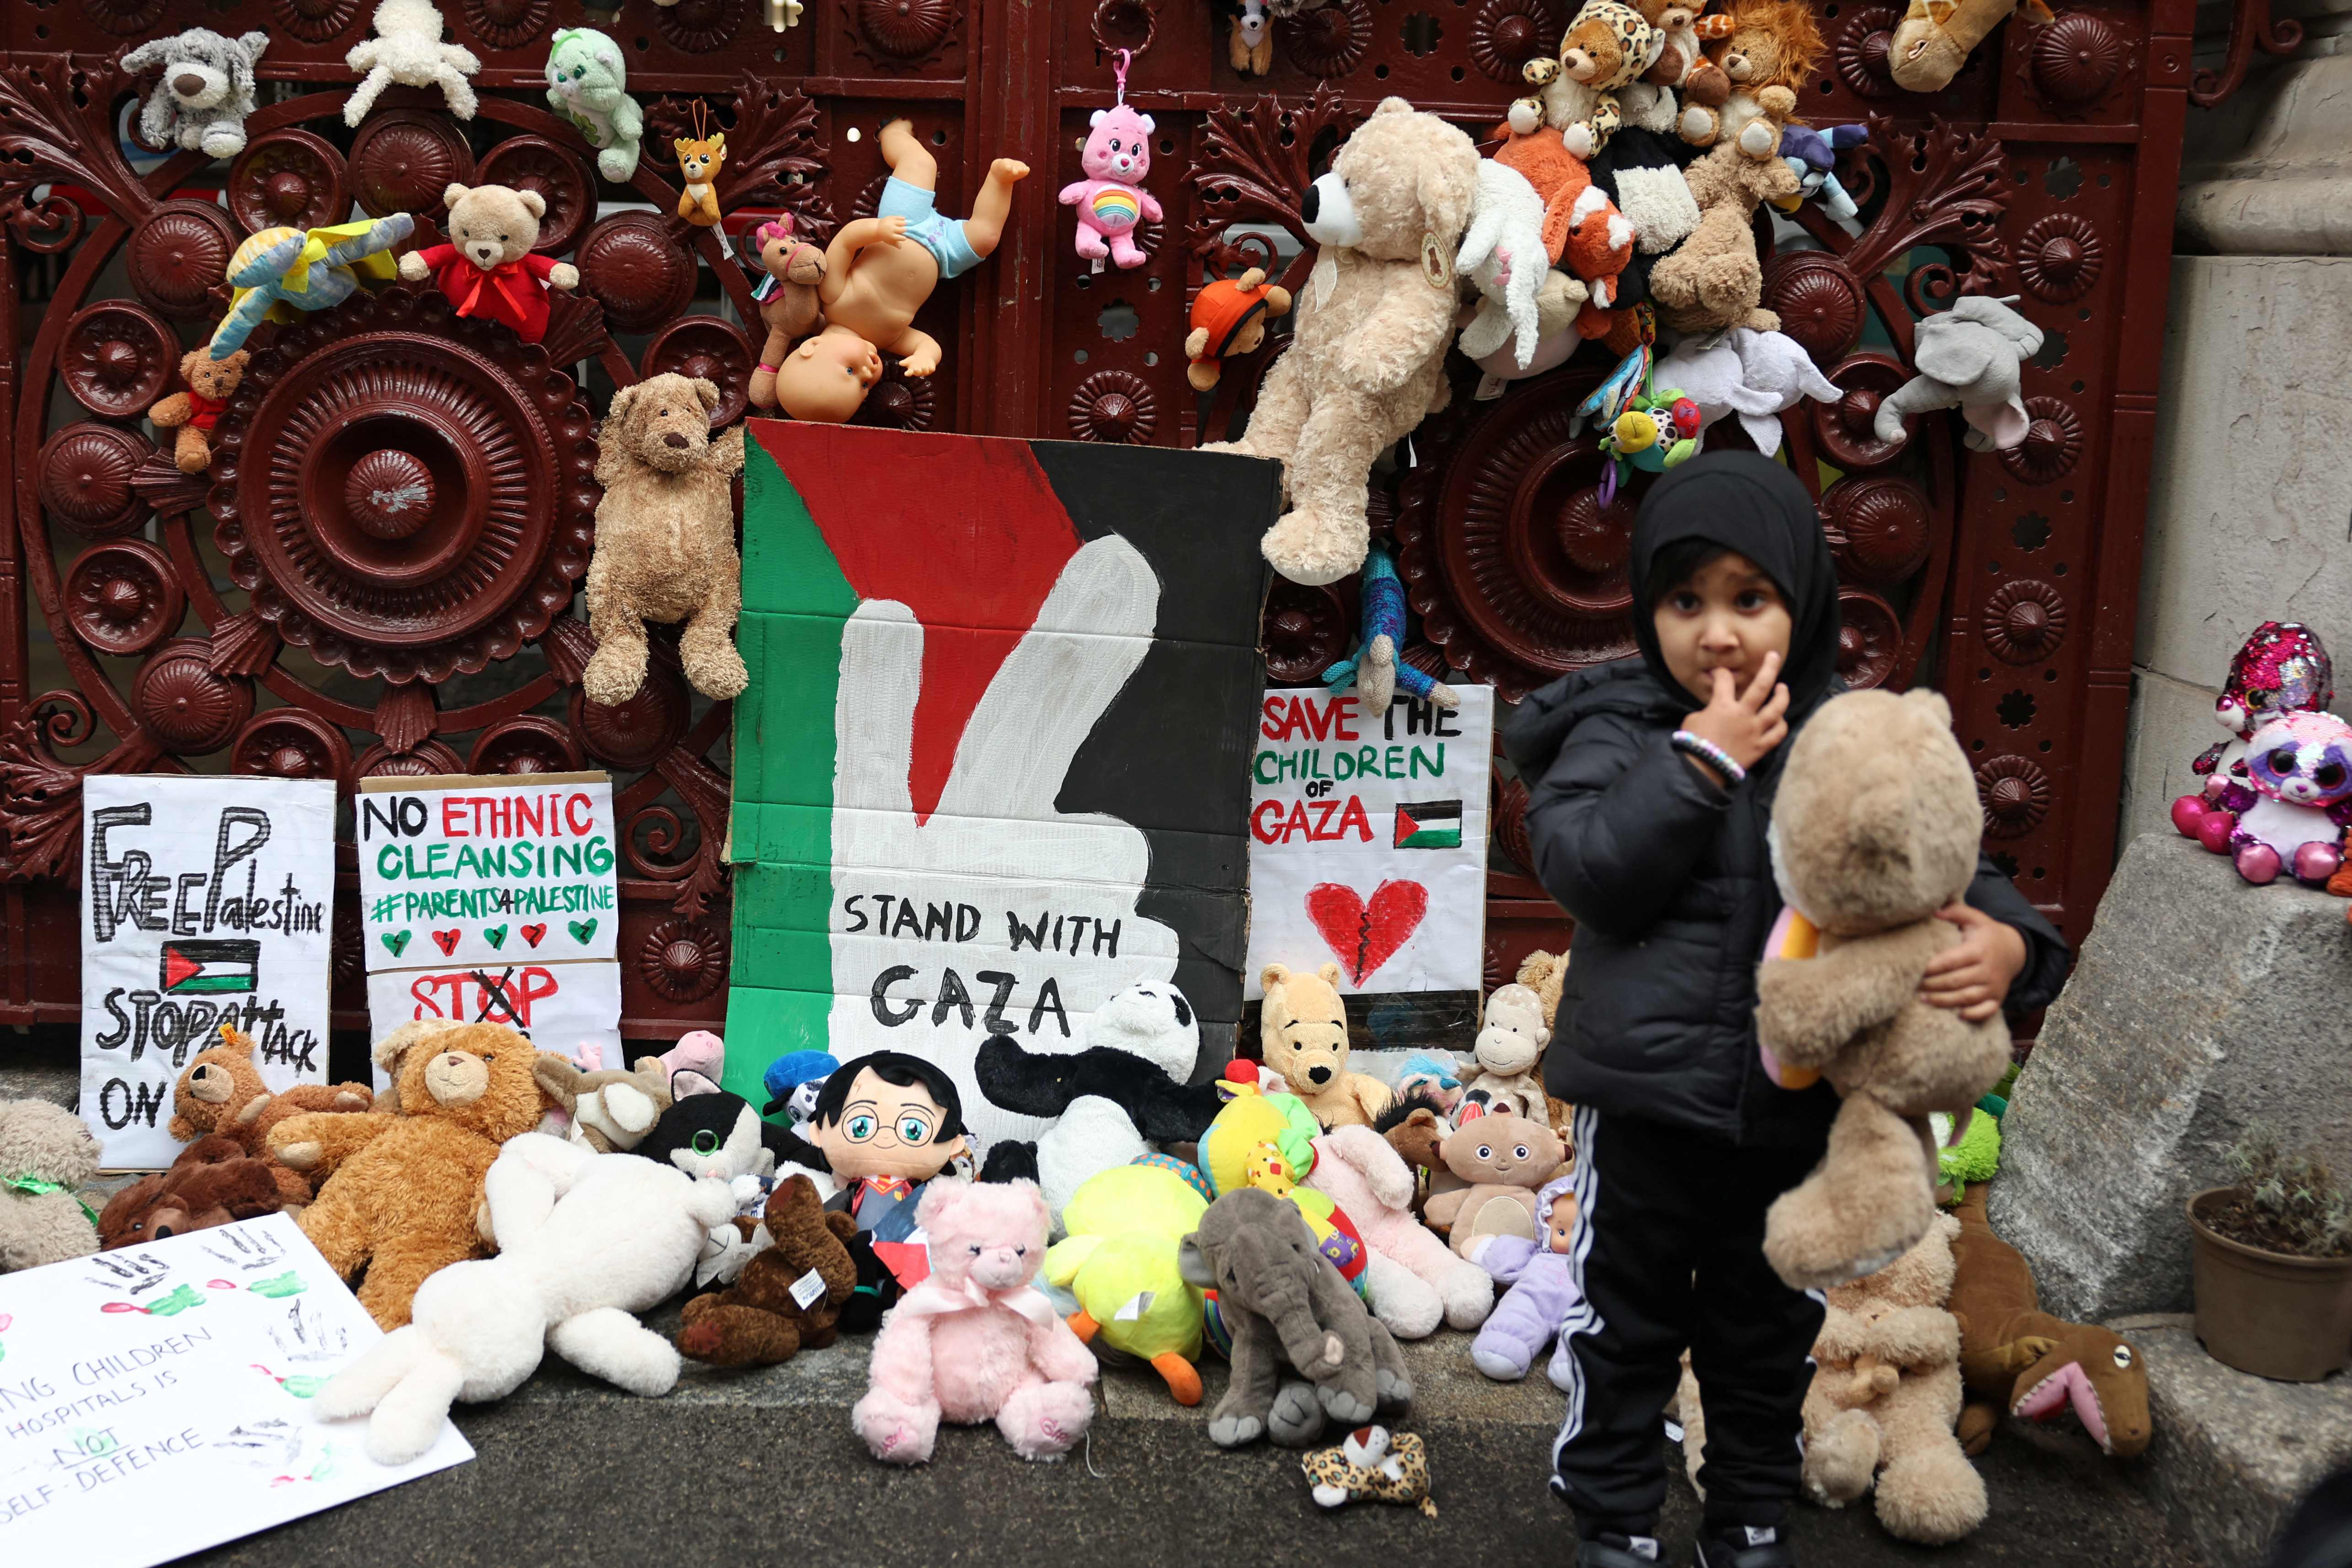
{"x": 885, "y": 1124}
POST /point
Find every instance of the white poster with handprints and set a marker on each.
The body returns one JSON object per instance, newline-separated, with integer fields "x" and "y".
{"x": 205, "y": 900}
{"x": 156, "y": 1401}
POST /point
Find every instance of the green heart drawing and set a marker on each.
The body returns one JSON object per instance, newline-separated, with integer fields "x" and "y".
{"x": 287, "y": 1284}
{"x": 581, "y": 931}
{"x": 495, "y": 935}
{"x": 302, "y": 1387}
{"x": 396, "y": 942}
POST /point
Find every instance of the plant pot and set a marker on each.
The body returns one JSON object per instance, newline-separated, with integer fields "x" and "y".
{"x": 2265, "y": 1312}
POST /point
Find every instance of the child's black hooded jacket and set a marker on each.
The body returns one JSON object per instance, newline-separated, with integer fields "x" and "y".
{"x": 1668, "y": 874}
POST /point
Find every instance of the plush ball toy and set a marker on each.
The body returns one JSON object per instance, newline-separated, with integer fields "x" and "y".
{"x": 977, "y": 1340}
{"x": 1112, "y": 201}
{"x": 587, "y": 84}
{"x": 1303, "y": 1037}
{"x": 2301, "y": 768}
{"x": 46, "y": 1151}
{"x": 194, "y": 412}
{"x": 2282, "y": 668}
{"x": 487, "y": 266}
{"x": 1874, "y": 828}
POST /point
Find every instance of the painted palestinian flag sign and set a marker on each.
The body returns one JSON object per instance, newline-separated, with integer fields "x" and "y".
{"x": 993, "y": 767}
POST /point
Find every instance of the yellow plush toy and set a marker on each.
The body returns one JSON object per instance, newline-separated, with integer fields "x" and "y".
{"x": 1303, "y": 1033}
{"x": 1119, "y": 1261}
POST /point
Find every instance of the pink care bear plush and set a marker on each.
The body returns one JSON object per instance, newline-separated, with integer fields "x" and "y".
{"x": 977, "y": 1340}
{"x": 1112, "y": 201}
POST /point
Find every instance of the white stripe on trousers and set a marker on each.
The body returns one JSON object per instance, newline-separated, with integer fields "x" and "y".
{"x": 1581, "y": 1318}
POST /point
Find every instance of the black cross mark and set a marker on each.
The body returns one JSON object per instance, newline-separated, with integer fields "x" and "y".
{"x": 495, "y": 991}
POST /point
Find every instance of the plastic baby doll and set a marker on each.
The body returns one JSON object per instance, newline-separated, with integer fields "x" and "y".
{"x": 1542, "y": 1287}
{"x": 879, "y": 270}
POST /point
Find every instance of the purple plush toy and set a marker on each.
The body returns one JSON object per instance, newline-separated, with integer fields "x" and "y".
{"x": 1542, "y": 1287}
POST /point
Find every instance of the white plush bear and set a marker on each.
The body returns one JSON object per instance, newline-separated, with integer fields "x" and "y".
{"x": 586, "y": 1240}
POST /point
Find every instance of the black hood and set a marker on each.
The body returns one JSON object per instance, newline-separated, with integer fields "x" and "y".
{"x": 1747, "y": 502}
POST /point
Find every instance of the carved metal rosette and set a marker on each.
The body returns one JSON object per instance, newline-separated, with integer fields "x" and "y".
{"x": 1822, "y": 304}
{"x": 712, "y": 349}
{"x": 635, "y": 735}
{"x": 185, "y": 704}
{"x": 289, "y": 179}
{"x": 528, "y": 743}
{"x": 403, "y": 159}
{"x": 1331, "y": 40}
{"x": 1862, "y": 52}
{"x": 292, "y": 744}
{"x": 2023, "y": 621}
{"x": 486, "y": 515}
{"x": 2052, "y": 444}
{"x": 1843, "y": 428}
{"x": 1305, "y": 631}
{"x": 562, "y": 179}
{"x": 179, "y": 254}
{"x": 117, "y": 357}
{"x": 1870, "y": 639}
{"x": 1510, "y": 822}
{"x": 683, "y": 959}
{"x": 123, "y": 598}
{"x": 507, "y": 23}
{"x": 1881, "y": 528}
{"x": 701, "y": 26}
{"x": 2060, "y": 257}
{"x": 1507, "y": 34}
{"x": 633, "y": 266}
{"x": 314, "y": 21}
{"x": 1519, "y": 571}
{"x": 1114, "y": 407}
{"x": 84, "y": 479}
{"x": 2015, "y": 795}
{"x": 900, "y": 33}
{"x": 899, "y": 402}
{"x": 2074, "y": 61}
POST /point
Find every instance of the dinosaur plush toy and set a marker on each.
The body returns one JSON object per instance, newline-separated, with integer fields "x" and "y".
{"x": 2032, "y": 1364}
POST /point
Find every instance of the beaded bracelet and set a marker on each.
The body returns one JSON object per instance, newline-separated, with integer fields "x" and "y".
{"x": 1707, "y": 752}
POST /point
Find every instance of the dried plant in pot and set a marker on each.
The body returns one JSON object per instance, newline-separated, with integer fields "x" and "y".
{"x": 2272, "y": 1263}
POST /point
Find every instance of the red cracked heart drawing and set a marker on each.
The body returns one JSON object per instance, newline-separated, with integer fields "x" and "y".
{"x": 531, "y": 933}
{"x": 1365, "y": 936}
{"x": 446, "y": 940}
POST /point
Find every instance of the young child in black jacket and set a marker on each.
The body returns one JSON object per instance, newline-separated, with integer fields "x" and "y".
{"x": 1651, "y": 787}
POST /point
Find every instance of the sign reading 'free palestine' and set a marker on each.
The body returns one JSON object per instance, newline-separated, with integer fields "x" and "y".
{"x": 492, "y": 899}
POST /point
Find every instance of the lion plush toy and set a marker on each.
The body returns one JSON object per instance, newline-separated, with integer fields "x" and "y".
{"x": 665, "y": 539}
{"x": 1303, "y": 1035}
{"x": 1367, "y": 355}
{"x": 402, "y": 1200}
{"x": 1875, "y": 827}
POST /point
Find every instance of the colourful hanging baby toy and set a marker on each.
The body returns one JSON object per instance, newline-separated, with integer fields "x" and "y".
{"x": 1112, "y": 201}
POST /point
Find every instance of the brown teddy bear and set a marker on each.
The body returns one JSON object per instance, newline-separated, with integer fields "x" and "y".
{"x": 1713, "y": 279}
{"x": 1875, "y": 827}
{"x": 1605, "y": 49}
{"x": 1885, "y": 1391}
{"x": 1771, "y": 50}
{"x": 1367, "y": 356}
{"x": 791, "y": 268}
{"x": 193, "y": 412}
{"x": 1500, "y": 1161}
{"x": 665, "y": 539}
{"x": 401, "y": 1201}
{"x": 45, "y": 1152}
{"x": 769, "y": 1314}
{"x": 487, "y": 266}
{"x": 221, "y": 1091}
{"x": 213, "y": 1181}
{"x": 1303, "y": 1035}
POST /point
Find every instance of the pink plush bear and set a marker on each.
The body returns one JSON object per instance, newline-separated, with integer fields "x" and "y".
{"x": 1112, "y": 201}
{"x": 977, "y": 1340}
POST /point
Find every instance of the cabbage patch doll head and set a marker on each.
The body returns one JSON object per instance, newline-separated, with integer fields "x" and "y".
{"x": 2302, "y": 759}
{"x": 2282, "y": 668}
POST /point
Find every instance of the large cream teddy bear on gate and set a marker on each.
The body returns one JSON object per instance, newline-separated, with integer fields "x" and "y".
{"x": 1366, "y": 360}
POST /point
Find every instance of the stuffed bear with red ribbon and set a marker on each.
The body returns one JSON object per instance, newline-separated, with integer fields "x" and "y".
{"x": 487, "y": 267}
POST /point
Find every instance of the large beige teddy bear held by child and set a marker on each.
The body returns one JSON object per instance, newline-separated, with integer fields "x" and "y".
{"x": 1875, "y": 827}
{"x": 1366, "y": 360}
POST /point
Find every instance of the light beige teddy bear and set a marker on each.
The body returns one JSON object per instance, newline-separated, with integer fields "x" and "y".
{"x": 1303, "y": 1035}
{"x": 1367, "y": 355}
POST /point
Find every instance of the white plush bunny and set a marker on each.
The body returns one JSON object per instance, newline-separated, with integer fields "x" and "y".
{"x": 1504, "y": 255}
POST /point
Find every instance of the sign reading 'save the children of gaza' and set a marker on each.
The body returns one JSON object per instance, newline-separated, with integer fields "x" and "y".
{"x": 492, "y": 899}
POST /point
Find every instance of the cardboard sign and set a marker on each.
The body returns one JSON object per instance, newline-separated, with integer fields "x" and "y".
{"x": 1367, "y": 840}
{"x": 205, "y": 900}
{"x": 154, "y": 1402}
{"x": 993, "y": 766}
{"x": 496, "y": 899}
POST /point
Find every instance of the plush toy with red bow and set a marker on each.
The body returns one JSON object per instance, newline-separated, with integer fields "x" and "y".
{"x": 487, "y": 267}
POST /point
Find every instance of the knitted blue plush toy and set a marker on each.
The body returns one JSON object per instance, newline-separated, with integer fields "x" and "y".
{"x": 1375, "y": 670}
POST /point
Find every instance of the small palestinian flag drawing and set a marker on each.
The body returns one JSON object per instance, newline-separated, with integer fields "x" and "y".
{"x": 1429, "y": 825}
{"x": 210, "y": 968}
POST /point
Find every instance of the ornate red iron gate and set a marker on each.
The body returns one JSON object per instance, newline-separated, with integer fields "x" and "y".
{"x": 263, "y": 618}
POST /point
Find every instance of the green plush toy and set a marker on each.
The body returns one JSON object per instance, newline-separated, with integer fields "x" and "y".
{"x": 587, "y": 83}
{"x": 1974, "y": 1158}
{"x": 1120, "y": 1260}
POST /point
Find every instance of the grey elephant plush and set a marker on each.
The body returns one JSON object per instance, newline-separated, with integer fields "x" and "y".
{"x": 1286, "y": 1304}
{"x": 204, "y": 93}
{"x": 1970, "y": 357}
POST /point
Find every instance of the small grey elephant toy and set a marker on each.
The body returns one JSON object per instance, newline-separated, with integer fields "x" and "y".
{"x": 1971, "y": 357}
{"x": 1284, "y": 1302}
{"x": 204, "y": 93}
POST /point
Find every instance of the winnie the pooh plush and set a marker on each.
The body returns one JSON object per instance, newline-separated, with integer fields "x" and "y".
{"x": 401, "y": 1202}
{"x": 1367, "y": 355}
{"x": 487, "y": 266}
{"x": 46, "y": 1151}
{"x": 1303, "y": 1035}
{"x": 665, "y": 539}
{"x": 1875, "y": 827}
{"x": 193, "y": 412}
